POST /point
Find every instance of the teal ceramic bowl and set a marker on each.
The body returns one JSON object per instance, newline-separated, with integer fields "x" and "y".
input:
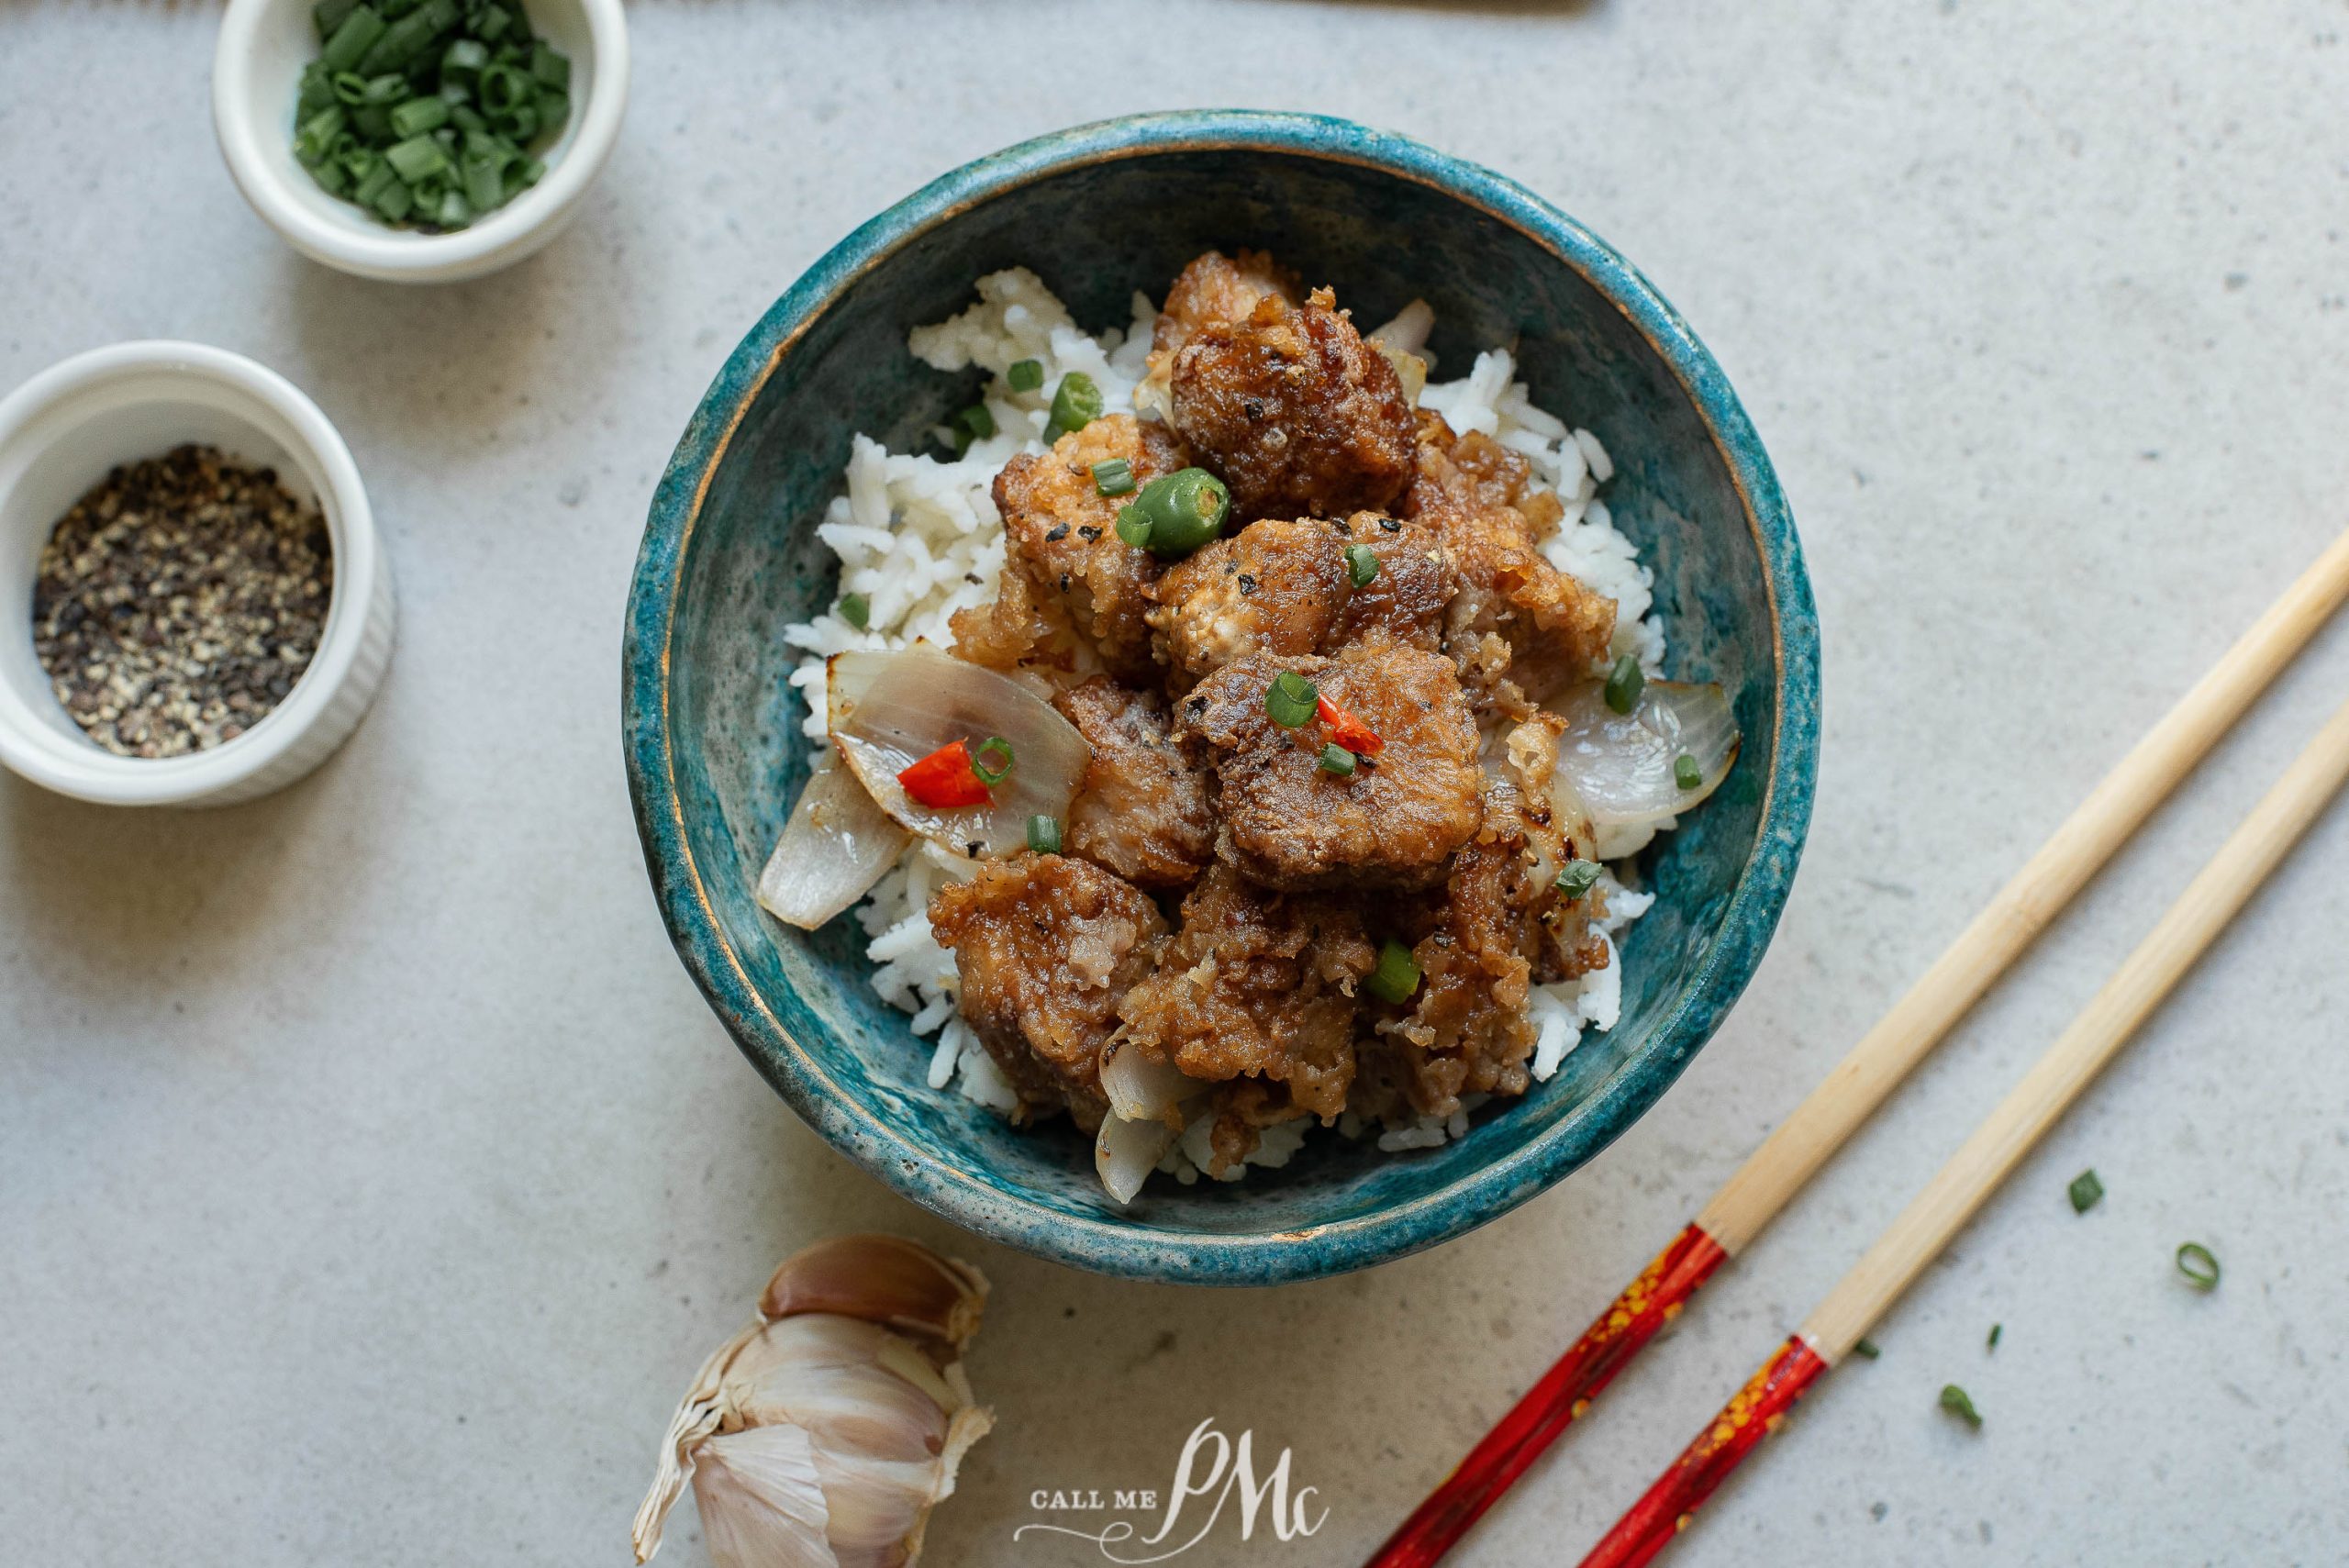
{"x": 716, "y": 755}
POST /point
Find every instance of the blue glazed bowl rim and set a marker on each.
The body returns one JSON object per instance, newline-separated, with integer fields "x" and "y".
{"x": 1107, "y": 1243}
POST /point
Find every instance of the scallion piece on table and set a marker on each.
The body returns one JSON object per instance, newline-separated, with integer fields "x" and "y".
{"x": 2086, "y": 1190}
{"x": 1686, "y": 772}
{"x": 1291, "y": 699}
{"x": 1025, "y": 375}
{"x": 1113, "y": 477}
{"x": 1362, "y": 565}
{"x": 857, "y": 610}
{"x": 1624, "y": 683}
{"x": 1996, "y": 1329}
{"x": 1045, "y": 835}
{"x": 1955, "y": 1401}
{"x": 2199, "y": 1265}
{"x": 1578, "y": 878}
{"x": 1398, "y": 974}
{"x": 1867, "y": 1348}
{"x": 991, "y": 758}
{"x": 1076, "y": 402}
{"x": 1336, "y": 759}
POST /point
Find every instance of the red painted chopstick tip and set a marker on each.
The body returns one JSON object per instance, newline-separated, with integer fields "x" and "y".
{"x": 1758, "y": 1409}
{"x": 1617, "y": 1335}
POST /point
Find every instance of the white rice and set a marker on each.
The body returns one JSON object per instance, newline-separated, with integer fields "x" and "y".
{"x": 918, "y": 536}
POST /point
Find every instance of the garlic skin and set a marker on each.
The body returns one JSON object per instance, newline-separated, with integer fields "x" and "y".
{"x": 822, "y": 1434}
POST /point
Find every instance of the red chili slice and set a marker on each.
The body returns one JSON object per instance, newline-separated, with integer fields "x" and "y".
{"x": 943, "y": 780}
{"x": 1347, "y": 731}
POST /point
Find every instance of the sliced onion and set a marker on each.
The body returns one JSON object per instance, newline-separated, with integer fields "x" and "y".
{"x": 1618, "y": 768}
{"x": 1126, "y": 1153}
{"x": 888, "y": 710}
{"x": 835, "y": 845}
{"x": 1142, "y": 1087}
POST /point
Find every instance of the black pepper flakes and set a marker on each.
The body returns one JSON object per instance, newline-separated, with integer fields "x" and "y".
{"x": 1247, "y": 585}
{"x": 179, "y": 601}
{"x": 1089, "y": 533}
{"x": 1060, "y": 532}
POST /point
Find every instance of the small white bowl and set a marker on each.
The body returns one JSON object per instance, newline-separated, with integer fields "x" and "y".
{"x": 256, "y": 76}
{"x": 60, "y": 434}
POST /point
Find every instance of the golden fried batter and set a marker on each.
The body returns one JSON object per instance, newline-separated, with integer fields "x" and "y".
{"x": 1294, "y": 412}
{"x": 1142, "y": 809}
{"x": 1276, "y": 586}
{"x": 1047, "y": 946}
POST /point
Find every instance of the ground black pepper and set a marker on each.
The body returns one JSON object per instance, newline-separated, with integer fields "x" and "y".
{"x": 179, "y": 601}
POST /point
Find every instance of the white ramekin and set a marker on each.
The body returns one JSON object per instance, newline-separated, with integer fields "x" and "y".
{"x": 256, "y": 75}
{"x": 60, "y": 433}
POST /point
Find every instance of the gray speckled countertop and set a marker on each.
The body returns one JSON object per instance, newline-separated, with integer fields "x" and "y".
{"x": 372, "y": 1178}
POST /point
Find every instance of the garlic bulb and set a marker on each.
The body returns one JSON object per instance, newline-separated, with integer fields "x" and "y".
{"x": 823, "y": 1433}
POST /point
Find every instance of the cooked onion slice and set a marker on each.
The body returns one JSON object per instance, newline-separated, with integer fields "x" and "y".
{"x": 1145, "y": 1088}
{"x": 888, "y": 710}
{"x": 1126, "y": 1153}
{"x": 1617, "y": 769}
{"x": 835, "y": 845}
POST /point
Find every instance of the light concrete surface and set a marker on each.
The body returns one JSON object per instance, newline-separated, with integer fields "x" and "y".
{"x": 372, "y": 1179}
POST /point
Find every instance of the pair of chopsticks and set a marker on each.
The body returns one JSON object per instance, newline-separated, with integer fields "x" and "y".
{"x": 1860, "y": 1083}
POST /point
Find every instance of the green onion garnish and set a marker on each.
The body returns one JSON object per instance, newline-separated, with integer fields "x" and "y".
{"x": 1686, "y": 772}
{"x": 1291, "y": 699}
{"x": 857, "y": 610}
{"x": 1361, "y": 564}
{"x": 1624, "y": 683}
{"x": 1025, "y": 375}
{"x": 1867, "y": 1348}
{"x": 992, "y": 773}
{"x": 420, "y": 115}
{"x": 1578, "y": 878}
{"x": 416, "y": 158}
{"x": 1045, "y": 835}
{"x": 1113, "y": 477}
{"x": 2085, "y": 1190}
{"x": 972, "y": 424}
{"x": 357, "y": 33}
{"x": 1398, "y": 974}
{"x": 2196, "y": 1263}
{"x": 1336, "y": 759}
{"x": 1075, "y": 404}
{"x": 1996, "y": 1329}
{"x": 1176, "y": 513}
{"x": 1955, "y": 1401}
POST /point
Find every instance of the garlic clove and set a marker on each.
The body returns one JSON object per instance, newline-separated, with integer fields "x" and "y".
{"x": 762, "y": 1500}
{"x": 826, "y": 1375}
{"x": 882, "y": 1279}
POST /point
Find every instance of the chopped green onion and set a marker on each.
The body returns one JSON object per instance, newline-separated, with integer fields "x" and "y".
{"x": 857, "y": 610}
{"x": 1955, "y": 1401}
{"x": 492, "y": 24}
{"x": 1045, "y": 835}
{"x": 376, "y": 178}
{"x": 1686, "y": 772}
{"x": 553, "y": 109}
{"x": 329, "y": 16}
{"x": 1132, "y": 527}
{"x": 992, "y": 773}
{"x": 1867, "y": 1348}
{"x": 1177, "y": 513}
{"x": 1336, "y": 759}
{"x": 396, "y": 202}
{"x": 1624, "y": 683}
{"x": 416, "y": 158}
{"x": 357, "y": 33}
{"x": 551, "y": 67}
{"x": 2200, "y": 1267}
{"x": 2085, "y": 1190}
{"x": 1996, "y": 1329}
{"x": 1578, "y": 878}
{"x": 973, "y": 424}
{"x": 1113, "y": 477}
{"x": 1361, "y": 564}
{"x": 318, "y": 92}
{"x": 480, "y": 172}
{"x": 1025, "y": 375}
{"x": 1075, "y": 404}
{"x": 464, "y": 61}
{"x": 1291, "y": 699}
{"x": 418, "y": 115}
{"x": 1398, "y": 974}
{"x": 452, "y": 210}
{"x": 316, "y": 139}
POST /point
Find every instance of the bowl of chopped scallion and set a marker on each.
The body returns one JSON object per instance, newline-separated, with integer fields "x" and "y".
{"x": 418, "y": 140}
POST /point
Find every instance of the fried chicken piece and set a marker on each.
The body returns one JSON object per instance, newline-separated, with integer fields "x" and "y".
{"x": 1393, "y": 823}
{"x": 1215, "y": 291}
{"x": 1283, "y": 586}
{"x": 1294, "y": 412}
{"x": 1257, "y": 985}
{"x": 1047, "y": 946}
{"x": 1016, "y": 629}
{"x": 1142, "y": 809}
{"x": 1062, "y": 534}
{"x": 1515, "y": 613}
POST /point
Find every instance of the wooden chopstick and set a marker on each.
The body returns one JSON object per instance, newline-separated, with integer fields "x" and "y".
{"x": 2215, "y": 896}
{"x": 1886, "y": 1054}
